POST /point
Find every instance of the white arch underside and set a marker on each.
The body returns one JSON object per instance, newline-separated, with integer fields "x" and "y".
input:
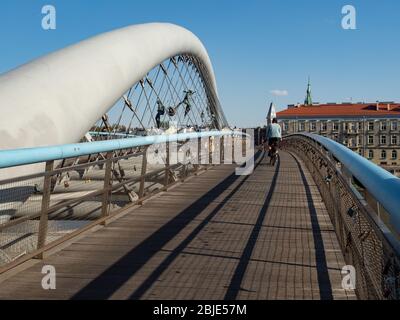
{"x": 57, "y": 98}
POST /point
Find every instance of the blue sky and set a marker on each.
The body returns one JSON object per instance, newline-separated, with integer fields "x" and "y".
{"x": 255, "y": 45}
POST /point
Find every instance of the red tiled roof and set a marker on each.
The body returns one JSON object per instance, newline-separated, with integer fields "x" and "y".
{"x": 337, "y": 110}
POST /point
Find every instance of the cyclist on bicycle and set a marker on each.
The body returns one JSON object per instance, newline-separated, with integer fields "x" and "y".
{"x": 274, "y": 135}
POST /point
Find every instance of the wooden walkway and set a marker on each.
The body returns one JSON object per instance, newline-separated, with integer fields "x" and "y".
{"x": 216, "y": 236}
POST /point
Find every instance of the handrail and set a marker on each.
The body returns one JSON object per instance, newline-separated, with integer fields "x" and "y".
{"x": 384, "y": 186}
{"x": 18, "y": 157}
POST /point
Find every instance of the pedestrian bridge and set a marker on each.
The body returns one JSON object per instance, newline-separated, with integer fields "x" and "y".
{"x": 282, "y": 232}
{"x": 155, "y": 207}
{"x": 215, "y": 236}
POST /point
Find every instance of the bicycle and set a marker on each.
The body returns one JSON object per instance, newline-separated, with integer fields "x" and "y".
{"x": 273, "y": 153}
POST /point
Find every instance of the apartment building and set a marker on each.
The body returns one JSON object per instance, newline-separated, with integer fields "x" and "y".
{"x": 370, "y": 129}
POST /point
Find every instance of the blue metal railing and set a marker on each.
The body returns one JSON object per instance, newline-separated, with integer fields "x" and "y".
{"x": 384, "y": 186}
{"x": 18, "y": 157}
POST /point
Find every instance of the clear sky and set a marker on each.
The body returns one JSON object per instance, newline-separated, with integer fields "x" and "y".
{"x": 256, "y": 46}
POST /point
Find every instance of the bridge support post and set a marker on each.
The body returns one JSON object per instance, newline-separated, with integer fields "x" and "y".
{"x": 106, "y": 188}
{"x": 221, "y": 151}
{"x": 338, "y": 213}
{"x": 142, "y": 176}
{"x": 44, "y": 216}
{"x": 233, "y": 149}
{"x": 167, "y": 167}
{"x": 197, "y": 168}
{"x": 210, "y": 158}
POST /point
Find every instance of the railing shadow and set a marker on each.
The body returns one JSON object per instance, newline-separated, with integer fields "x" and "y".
{"x": 235, "y": 285}
{"x": 324, "y": 282}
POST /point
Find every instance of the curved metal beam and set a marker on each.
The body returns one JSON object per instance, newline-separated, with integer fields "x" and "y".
{"x": 57, "y": 98}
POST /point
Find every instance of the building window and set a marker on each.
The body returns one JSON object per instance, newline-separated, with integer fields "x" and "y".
{"x": 301, "y": 126}
{"x": 284, "y": 125}
{"x": 324, "y": 126}
{"x": 359, "y": 126}
{"x": 394, "y": 154}
{"x": 370, "y": 126}
{"x": 313, "y": 126}
{"x": 393, "y": 140}
{"x": 352, "y": 126}
{"x": 370, "y": 139}
{"x": 383, "y": 139}
{"x": 350, "y": 142}
{"x": 393, "y": 125}
{"x": 335, "y": 126}
{"x": 370, "y": 154}
{"x": 383, "y": 154}
{"x": 383, "y": 126}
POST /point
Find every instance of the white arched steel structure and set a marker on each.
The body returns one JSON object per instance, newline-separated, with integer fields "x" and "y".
{"x": 57, "y": 98}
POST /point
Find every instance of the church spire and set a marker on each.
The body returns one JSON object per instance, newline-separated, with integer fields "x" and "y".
{"x": 308, "y": 100}
{"x": 271, "y": 113}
